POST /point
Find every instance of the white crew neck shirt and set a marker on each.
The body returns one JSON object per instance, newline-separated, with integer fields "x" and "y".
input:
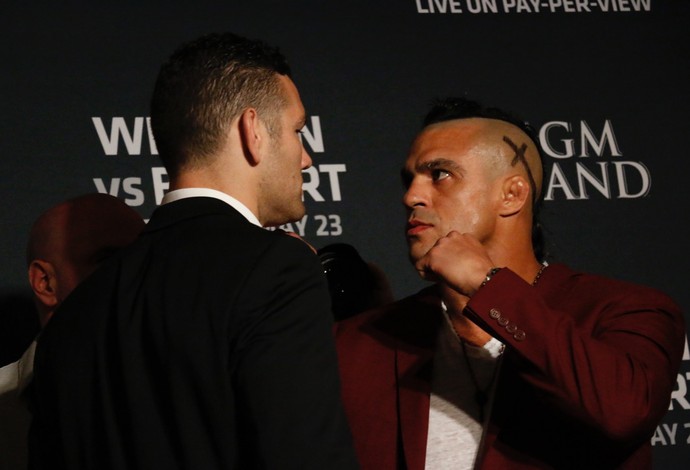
{"x": 455, "y": 432}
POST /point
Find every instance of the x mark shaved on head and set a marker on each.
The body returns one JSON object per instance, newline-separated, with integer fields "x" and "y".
{"x": 520, "y": 157}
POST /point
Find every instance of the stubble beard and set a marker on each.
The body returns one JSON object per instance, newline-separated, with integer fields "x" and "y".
{"x": 284, "y": 208}
{"x": 419, "y": 245}
{"x": 416, "y": 249}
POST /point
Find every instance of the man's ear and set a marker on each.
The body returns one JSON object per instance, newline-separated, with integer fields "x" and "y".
{"x": 515, "y": 194}
{"x": 43, "y": 282}
{"x": 252, "y": 135}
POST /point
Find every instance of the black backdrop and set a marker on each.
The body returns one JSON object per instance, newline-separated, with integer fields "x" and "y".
{"x": 606, "y": 81}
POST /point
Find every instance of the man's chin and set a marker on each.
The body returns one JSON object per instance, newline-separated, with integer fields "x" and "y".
{"x": 297, "y": 213}
{"x": 415, "y": 252}
{"x": 290, "y": 215}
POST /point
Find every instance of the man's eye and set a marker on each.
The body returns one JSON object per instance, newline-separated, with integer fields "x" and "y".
{"x": 437, "y": 175}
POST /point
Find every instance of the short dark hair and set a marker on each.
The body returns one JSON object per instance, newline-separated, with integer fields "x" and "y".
{"x": 203, "y": 86}
{"x": 450, "y": 108}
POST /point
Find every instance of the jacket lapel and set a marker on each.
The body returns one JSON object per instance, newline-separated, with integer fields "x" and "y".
{"x": 417, "y": 328}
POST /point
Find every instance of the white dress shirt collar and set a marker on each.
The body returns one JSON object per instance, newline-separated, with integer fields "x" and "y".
{"x": 184, "y": 193}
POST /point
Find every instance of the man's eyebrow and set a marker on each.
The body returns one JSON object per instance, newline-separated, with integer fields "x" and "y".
{"x": 437, "y": 163}
{"x": 429, "y": 165}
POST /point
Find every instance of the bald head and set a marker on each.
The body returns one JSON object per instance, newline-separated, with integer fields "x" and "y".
{"x": 68, "y": 241}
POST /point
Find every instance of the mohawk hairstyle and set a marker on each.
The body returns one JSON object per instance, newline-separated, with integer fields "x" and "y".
{"x": 446, "y": 109}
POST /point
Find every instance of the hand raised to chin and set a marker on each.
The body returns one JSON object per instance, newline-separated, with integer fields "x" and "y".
{"x": 458, "y": 260}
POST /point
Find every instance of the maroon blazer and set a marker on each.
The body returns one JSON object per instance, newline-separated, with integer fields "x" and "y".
{"x": 587, "y": 374}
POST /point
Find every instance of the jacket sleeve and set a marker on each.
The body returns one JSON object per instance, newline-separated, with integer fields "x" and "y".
{"x": 605, "y": 351}
{"x": 286, "y": 374}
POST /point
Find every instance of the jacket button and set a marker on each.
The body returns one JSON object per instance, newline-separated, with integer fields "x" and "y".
{"x": 511, "y": 328}
{"x": 519, "y": 335}
{"x": 495, "y": 313}
{"x": 503, "y": 321}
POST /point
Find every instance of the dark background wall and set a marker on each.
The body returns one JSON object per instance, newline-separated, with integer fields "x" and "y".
{"x": 607, "y": 82}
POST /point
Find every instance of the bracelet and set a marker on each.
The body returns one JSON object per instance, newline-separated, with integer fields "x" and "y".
{"x": 489, "y": 275}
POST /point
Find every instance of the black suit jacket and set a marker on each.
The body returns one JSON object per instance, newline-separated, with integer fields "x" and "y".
{"x": 206, "y": 344}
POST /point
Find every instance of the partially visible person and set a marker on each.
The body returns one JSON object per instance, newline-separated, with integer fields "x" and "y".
{"x": 355, "y": 285}
{"x": 18, "y": 325}
{"x": 506, "y": 361}
{"x": 68, "y": 241}
{"x": 66, "y": 244}
{"x": 207, "y": 343}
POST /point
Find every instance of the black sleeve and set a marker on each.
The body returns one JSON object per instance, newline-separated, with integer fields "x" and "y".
{"x": 286, "y": 375}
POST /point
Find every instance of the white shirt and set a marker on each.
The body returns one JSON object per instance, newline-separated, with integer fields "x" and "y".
{"x": 14, "y": 377}
{"x": 455, "y": 432}
{"x": 184, "y": 193}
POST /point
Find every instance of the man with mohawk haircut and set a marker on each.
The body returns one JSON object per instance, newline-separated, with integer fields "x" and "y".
{"x": 506, "y": 362}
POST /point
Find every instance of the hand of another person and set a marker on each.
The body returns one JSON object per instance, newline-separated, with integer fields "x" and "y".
{"x": 294, "y": 235}
{"x": 458, "y": 260}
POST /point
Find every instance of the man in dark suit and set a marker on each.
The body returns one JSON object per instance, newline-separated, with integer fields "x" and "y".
{"x": 207, "y": 343}
{"x": 506, "y": 362}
